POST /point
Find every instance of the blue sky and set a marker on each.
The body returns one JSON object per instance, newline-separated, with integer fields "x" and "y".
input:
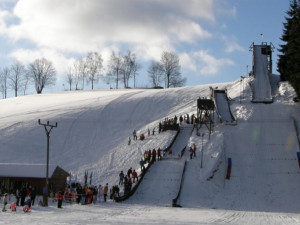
{"x": 211, "y": 37}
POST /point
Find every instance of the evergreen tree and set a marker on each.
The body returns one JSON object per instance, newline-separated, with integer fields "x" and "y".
{"x": 289, "y": 61}
{"x": 293, "y": 54}
{"x": 287, "y": 27}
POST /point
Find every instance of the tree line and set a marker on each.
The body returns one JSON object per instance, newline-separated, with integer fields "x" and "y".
{"x": 89, "y": 70}
{"x": 289, "y": 58}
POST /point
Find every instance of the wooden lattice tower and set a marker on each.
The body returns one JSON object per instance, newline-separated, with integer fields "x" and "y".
{"x": 205, "y": 114}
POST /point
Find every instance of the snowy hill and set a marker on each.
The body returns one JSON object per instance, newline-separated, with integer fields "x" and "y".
{"x": 92, "y": 134}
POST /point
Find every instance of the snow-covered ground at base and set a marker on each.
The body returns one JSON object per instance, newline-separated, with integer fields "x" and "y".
{"x": 92, "y": 134}
{"x": 130, "y": 214}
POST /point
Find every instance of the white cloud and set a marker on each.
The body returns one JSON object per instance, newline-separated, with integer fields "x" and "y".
{"x": 81, "y": 26}
{"x": 208, "y": 64}
{"x": 60, "y": 28}
{"x": 231, "y": 44}
{"x": 203, "y": 63}
{"x": 188, "y": 62}
{"x": 26, "y": 56}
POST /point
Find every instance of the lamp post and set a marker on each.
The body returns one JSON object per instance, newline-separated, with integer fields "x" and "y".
{"x": 242, "y": 89}
{"x": 48, "y": 129}
{"x": 241, "y": 80}
{"x": 202, "y": 151}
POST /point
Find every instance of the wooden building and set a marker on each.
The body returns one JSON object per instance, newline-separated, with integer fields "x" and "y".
{"x": 13, "y": 175}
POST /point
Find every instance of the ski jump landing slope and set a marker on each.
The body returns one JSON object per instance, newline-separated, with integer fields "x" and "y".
{"x": 265, "y": 171}
{"x": 223, "y": 107}
{"x": 261, "y": 83}
{"x": 162, "y": 181}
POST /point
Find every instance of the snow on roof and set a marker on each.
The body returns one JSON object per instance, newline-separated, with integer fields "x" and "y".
{"x": 25, "y": 170}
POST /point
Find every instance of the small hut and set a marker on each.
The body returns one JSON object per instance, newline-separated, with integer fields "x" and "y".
{"x": 14, "y": 175}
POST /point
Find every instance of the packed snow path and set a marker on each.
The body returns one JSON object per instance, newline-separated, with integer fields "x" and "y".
{"x": 160, "y": 185}
{"x": 261, "y": 83}
{"x": 181, "y": 141}
{"x": 223, "y": 108}
{"x": 163, "y": 178}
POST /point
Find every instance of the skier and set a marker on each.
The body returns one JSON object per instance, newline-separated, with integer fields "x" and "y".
{"x": 191, "y": 152}
{"x": 95, "y": 193}
{"x": 142, "y": 164}
{"x": 159, "y": 127}
{"x": 4, "y": 200}
{"x": 175, "y": 119}
{"x": 129, "y": 141}
{"x": 194, "y": 150}
{"x": 121, "y": 175}
{"x": 153, "y": 155}
{"x": 134, "y": 176}
{"x": 17, "y": 197}
{"x": 33, "y": 195}
{"x": 27, "y": 205}
{"x": 158, "y": 154}
{"x": 148, "y": 156}
{"x": 180, "y": 120}
{"x": 105, "y": 191}
{"x": 59, "y": 197}
{"x": 129, "y": 172}
{"x": 78, "y": 193}
{"x": 13, "y": 207}
{"x": 23, "y": 195}
{"x": 100, "y": 192}
{"x": 134, "y": 135}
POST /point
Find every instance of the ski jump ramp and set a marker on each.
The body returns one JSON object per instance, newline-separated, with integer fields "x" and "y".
{"x": 261, "y": 85}
{"x": 223, "y": 108}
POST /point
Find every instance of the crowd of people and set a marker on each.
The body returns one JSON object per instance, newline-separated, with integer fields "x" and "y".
{"x": 24, "y": 197}
{"x": 92, "y": 194}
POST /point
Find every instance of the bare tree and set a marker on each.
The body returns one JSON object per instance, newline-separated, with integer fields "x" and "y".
{"x": 135, "y": 71}
{"x": 17, "y": 77}
{"x": 4, "y": 74}
{"x": 70, "y": 77}
{"x": 177, "y": 81}
{"x": 26, "y": 82}
{"x": 171, "y": 68}
{"x": 156, "y": 73}
{"x": 93, "y": 67}
{"x": 42, "y": 73}
{"x": 130, "y": 68}
{"x": 127, "y": 69}
{"x": 115, "y": 67}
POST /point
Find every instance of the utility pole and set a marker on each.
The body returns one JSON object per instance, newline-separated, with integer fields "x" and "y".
{"x": 48, "y": 128}
{"x": 202, "y": 151}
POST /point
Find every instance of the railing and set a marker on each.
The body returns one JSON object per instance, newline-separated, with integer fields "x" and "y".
{"x": 132, "y": 191}
{"x": 174, "y": 201}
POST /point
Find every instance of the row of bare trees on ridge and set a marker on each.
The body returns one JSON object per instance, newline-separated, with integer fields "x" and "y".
{"x": 120, "y": 70}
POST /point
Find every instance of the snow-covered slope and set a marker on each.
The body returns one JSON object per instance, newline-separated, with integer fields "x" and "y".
{"x": 92, "y": 134}
{"x": 93, "y": 127}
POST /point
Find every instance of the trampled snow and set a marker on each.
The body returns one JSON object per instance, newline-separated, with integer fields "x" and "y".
{"x": 92, "y": 135}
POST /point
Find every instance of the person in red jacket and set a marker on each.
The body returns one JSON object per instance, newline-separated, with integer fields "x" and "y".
{"x": 59, "y": 197}
{"x": 134, "y": 176}
{"x": 191, "y": 152}
{"x": 194, "y": 150}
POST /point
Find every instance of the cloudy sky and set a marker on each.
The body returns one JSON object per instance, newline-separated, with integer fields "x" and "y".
{"x": 212, "y": 37}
